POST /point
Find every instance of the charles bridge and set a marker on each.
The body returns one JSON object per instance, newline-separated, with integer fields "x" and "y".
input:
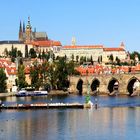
{"x": 104, "y": 83}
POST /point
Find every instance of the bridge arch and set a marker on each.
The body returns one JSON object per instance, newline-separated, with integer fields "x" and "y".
{"x": 111, "y": 84}
{"x": 131, "y": 84}
{"x": 95, "y": 85}
{"x": 79, "y": 86}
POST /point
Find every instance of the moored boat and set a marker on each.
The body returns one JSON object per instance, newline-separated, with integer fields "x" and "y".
{"x": 38, "y": 93}
{"x": 24, "y": 93}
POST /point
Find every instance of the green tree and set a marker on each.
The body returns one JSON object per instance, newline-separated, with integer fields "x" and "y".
{"x": 26, "y": 51}
{"x": 32, "y": 53}
{"x": 21, "y": 77}
{"x": 101, "y": 58}
{"x": 81, "y": 60}
{"x": 39, "y": 56}
{"x": 88, "y": 59}
{"x": 19, "y": 53}
{"x": 71, "y": 69}
{"x": 3, "y": 78}
{"x": 72, "y": 57}
{"x": 13, "y": 53}
{"x": 43, "y": 54}
{"x": 118, "y": 61}
{"x": 52, "y": 75}
{"x": 6, "y": 52}
{"x": 85, "y": 59}
{"x": 111, "y": 58}
{"x": 53, "y": 55}
{"x": 91, "y": 60}
{"x": 65, "y": 58}
{"x": 77, "y": 58}
{"x": 62, "y": 73}
{"x": 36, "y": 77}
{"x": 133, "y": 54}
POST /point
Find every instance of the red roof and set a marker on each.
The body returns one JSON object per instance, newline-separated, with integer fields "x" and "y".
{"x": 83, "y": 47}
{"x": 27, "y": 70}
{"x": 46, "y": 43}
{"x": 114, "y": 49}
{"x": 11, "y": 71}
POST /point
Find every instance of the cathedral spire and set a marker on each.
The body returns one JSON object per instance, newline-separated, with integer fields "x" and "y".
{"x": 29, "y": 24}
{"x": 20, "y": 32}
{"x": 23, "y": 27}
{"x": 28, "y": 20}
{"x": 20, "y": 27}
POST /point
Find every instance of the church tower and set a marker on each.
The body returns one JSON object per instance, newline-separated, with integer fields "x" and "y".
{"x": 28, "y": 32}
{"x": 20, "y": 36}
{"x": 73, "y": 41}
{"x": 122, "y": 45}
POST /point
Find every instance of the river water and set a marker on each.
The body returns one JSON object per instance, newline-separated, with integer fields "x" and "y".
{"x": 116, "y": 118}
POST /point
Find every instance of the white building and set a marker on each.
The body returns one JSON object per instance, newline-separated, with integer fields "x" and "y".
{"x": 10, "y": 71}
{"x": 116, "y": 52}
{"x": 96, "y": 51}
{"x": 46, "y": 46}
{"x": 82, "y": 51}
{"x": 7, "y": 45}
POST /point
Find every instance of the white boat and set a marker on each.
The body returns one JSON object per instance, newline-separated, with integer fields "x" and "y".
{"x": 23, "y": 93}
{"x": 39, "y": 93}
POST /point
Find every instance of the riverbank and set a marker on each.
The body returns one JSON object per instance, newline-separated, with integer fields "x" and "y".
{"x": 7, "y": 94}
{"x": 58, "y": 92}
{"x": 52, "y": 92}
{"x": 61, "y": 93}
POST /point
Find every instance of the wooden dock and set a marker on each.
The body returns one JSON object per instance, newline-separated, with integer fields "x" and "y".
{"x": 44, "y": 106}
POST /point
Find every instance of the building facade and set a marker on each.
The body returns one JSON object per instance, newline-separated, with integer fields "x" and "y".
{"x": 6, "y": 46}
{"x": 46, "y": 46}
{"x": 119, "y": 52}
{"x": 95, "y": 51}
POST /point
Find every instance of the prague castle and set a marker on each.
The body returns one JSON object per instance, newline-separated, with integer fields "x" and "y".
{"x": 33, "y": 39}
{"x": 41, "y": 43}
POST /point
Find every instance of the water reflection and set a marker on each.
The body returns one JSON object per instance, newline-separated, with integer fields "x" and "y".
{"x": 107, "y": 122}
{"x": 72, "y": 124}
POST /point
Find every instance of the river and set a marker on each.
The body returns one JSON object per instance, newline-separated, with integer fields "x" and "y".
{"x": 116, "y": 118}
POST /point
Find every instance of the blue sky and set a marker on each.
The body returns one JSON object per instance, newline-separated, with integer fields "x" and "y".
{"x": 106, "y": 22}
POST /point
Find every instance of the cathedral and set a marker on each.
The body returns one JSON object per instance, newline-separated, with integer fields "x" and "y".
{"x": 26, "y": 35}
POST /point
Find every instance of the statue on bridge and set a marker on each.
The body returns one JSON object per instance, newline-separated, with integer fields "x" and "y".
{"x": 136, "y": 88}
{"x": 115, "y": 91}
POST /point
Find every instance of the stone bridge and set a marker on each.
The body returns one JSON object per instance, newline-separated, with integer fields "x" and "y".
{"x": 104, "y": 83}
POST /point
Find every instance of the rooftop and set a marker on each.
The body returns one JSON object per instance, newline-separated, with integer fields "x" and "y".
{"x": 11, "y": 42}
{"x": 113, "y": 49}
{"x": 84, "y": 47}
{"x": 46, "y": 43}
